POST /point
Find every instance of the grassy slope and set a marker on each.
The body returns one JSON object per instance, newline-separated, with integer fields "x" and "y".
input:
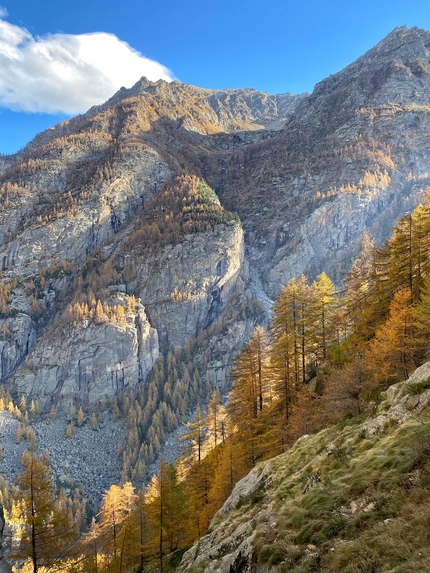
{"x": 353, "y": 498}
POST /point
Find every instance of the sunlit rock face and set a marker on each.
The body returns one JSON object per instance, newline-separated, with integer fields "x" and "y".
{"x": 307, "y": 175}
{"x": 87, "y": 361}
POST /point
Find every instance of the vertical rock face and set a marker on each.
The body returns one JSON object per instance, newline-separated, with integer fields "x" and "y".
{"x": 72, "y": 223}
{"x": 83, "y": 361}
{"x": 17, "y": 337}
{"x": 353, "y": 156}
{"x": 324, "y": 239}
{"x": 185, "y": 287}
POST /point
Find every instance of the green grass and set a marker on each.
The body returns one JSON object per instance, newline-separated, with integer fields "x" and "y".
{"x": 419, "y": 387}
{"x": 370, "y": 510}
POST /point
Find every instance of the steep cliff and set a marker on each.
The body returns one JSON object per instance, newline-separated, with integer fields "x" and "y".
{"x": 89, "y": 209}
{"x": 185, "y": 286}
{"x": 90, "y": 358}
{"x": 354, "y": 155}
{"x": 17, "y": 337}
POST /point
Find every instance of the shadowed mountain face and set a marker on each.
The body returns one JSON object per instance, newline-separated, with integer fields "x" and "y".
{"x": 353, "y": 155}
{"x": 110, "y": 207}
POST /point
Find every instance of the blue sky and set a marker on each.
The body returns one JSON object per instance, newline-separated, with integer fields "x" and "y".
{"x": 59, "y": 58}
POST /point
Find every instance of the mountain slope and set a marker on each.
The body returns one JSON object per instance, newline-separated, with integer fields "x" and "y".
{"x": 353, "y": 155}
{"x": 83, "y": 197}
{"x": 353, "y": 497}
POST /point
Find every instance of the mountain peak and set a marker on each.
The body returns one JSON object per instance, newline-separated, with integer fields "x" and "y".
{"x": 403, "y": 40}
{"x": 395, "y": 72}
{"x": 139, "y": 88}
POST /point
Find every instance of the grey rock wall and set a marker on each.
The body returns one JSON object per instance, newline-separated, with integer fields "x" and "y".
{"x": 17, "y": 337}
{"x": 185, "y": 287}
{"x": 86, "y": 361}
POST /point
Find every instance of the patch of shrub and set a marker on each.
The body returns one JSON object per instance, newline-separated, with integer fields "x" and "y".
{"x": 419, "y": 387}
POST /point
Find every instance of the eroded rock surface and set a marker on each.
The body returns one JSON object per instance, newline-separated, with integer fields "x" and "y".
{"x": 185, "y": 287}
{"x": 85, "y": 360}
{"x": 17, "y": 337}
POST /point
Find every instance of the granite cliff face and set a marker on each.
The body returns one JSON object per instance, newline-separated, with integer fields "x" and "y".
{"x": 18, "y": 336}
{"x": 82, "y": 208}
{"x": 90, "y": 359}
{"x": 353, "y": 155}
{"x": 186, "y": 286}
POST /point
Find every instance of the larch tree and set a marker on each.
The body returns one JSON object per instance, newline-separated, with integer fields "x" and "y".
{"x": 215, "y": 418}
{"x": 139, "y": 526}
{"x": 47, "y": 533}
{"x": 390, "y": 354}
{"x": 195, "y": 437}
{"x": 227, "y": 474}
{"x": 243, "y": 404}
{"x": 325, "y": 307}
{"x": 421, "y": 315}
{"x": 166, "y": 510}
{"x": 306, "y": 415}
{"x": 299, "y": 335}
{"x": 116, "y": 505}
{"x": 358, "y": 292}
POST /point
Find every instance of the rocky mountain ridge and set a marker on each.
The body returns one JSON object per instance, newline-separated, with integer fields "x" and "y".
{"x": 88, "y": 215}
{"x": 352, "y": 156}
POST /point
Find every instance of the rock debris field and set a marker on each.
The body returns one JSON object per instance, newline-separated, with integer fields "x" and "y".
{"x": 88, "y": 459}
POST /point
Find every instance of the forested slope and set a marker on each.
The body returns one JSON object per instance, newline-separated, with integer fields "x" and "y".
{"x": 325, "y": 366}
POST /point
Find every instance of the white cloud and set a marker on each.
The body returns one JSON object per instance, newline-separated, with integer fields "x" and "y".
{"x": 63, "y": 73}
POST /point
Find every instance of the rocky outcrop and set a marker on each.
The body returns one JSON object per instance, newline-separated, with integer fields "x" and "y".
{"x": 87, "y": 360}
{"x": 184, "y": 288}
{"x": 70, "y": 215}
{"x": 223, "y": 348}
{"x": 229, "y": 548}
{"x": 256, "y": 530}
{"x": 362, "y": 133}
{"x": 17, "y": 337}
{"x": 329, "y": 237}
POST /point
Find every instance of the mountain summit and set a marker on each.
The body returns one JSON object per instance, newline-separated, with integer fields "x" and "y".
{"x": 142, "y": 242}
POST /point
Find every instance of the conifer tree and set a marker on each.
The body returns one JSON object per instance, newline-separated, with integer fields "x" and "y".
{"x": 306, "y": 415}
{"x": 358, "y": 291}
{"x": 421, "y": 315}
{"x": 390, "y": 355}
{"x": 195, "y": 436}
{"x": 243, "y": 403}
{"x": 167, "y": 513}
{"x": 228, "y": 472}
{"x": 116, "y": 505}
{"x": 215, "y": 417}
{"x": 325, "y": 310}
{"x": 46, "y": 529}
